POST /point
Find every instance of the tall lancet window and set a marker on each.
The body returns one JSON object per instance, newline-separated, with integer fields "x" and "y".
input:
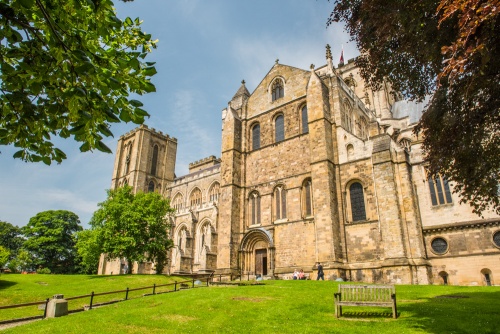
{"x": 279, "y": 128}
{"x": 154, "y": 161}
{"x": 357, "y": 202}
{"x": 279, "y": 203}
{"x": 256, "y": 137}
{"x": 305, "y": 121}
{"x": 254, "y": 208}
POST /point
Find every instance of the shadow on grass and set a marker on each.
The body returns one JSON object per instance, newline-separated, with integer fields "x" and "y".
{"x": 464, "y": 312}
{"x": 6, "y": 284}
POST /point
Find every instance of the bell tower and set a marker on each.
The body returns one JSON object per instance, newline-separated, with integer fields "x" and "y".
{"x": 145, "y": 160}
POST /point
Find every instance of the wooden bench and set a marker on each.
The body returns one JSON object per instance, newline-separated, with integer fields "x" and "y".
{"x": 365, "y": 295}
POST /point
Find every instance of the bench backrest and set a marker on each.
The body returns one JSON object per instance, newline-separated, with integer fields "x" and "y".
{"x": 368, "y": 293}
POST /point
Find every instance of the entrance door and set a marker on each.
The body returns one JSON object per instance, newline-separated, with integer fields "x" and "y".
{"x": 261, "y": 262}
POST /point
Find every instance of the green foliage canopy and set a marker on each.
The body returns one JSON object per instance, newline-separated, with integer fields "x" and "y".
{"x": 449, "y": 49}
{"x": 89, "y": 252}
{"x": 11, "y": 238}
{"x": 67, "y": 69}
{"x": 4, "y": 256}
{"x": 133, "y": 226}
{"x": 50, "y": 238}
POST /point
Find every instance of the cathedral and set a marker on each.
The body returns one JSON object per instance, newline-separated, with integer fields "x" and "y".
{"x": 315, "y": 166}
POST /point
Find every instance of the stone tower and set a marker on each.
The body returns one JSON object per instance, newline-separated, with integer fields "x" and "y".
{"x": 145, "y": 160}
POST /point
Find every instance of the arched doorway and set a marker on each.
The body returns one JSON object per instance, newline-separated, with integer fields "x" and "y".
{"x": 257, "y": 253}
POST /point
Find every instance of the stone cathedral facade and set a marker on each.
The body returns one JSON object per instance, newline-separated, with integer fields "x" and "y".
{"x": 314, "y": 167}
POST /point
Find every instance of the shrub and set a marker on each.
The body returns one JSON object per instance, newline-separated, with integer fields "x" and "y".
{"x": 43, "y": 271}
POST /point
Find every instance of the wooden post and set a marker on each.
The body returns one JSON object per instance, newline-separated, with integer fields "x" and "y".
{"x": 208, "y": 278}
{"x": 193, "y": 284}
{"x": 91, "y": 300}
{"x": 175, "y": 286}
{"x": 154, "y": 288}
{"x": 45, "y": 310}
{"x": 126, "y": 294}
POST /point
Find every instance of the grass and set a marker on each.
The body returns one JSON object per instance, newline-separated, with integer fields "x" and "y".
{"x": 276, "y": 307}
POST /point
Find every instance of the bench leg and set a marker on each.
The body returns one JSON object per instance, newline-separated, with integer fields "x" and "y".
{"x": 336, "y": 311}
{"x": 394, "y": 310}
{"x": 340, "y": 311}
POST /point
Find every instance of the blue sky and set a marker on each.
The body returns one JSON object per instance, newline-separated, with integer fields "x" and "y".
{"x": 205, "y": 49}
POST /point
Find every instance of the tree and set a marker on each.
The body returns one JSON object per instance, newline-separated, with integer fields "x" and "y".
{"x": 450, "y": 49}
{"x": 11, "y": 238}
{"x": 89, "y": 252}
{"x": 68, "y": 69}
{"x": 133, "y": 226}
{"x": 50, "y": 238}
{"x": 4, "y": 256}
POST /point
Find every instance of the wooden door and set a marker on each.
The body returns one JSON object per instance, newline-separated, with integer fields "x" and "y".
{"x": 261, "y": 262}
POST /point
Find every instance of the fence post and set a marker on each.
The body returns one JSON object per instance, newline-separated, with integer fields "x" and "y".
{"x": 91, "y": 300}
{"x": 45, "y": 310}
{"x": 126, "y": 294}
{"x": 208, "y": 278}
{"x": 193, "y": 283}
{"x": 154, "y": 288}
{"x": 175, "y": 286}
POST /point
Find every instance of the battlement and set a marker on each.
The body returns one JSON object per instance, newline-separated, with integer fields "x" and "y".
{"x": 151, "y": 130}
{"x": 204, "y": 163}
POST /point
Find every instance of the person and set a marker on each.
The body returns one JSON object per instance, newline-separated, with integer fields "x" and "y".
{"x": 302, "y": 276}
{"x": 295, "y": 274}
{"x": 321, "y": 274}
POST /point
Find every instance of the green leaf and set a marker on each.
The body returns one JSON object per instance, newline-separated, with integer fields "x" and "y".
{"x": 46, "y": 160}
{"x": 136, "y": 103}
{"x": 141, "y": 112}
{"x": 104, "y": 130}
{"x": 102, "y": 147}
{"x": 85, "y": 147}
{"x": 128, "y": 21}
{"x": 125, "y": 115}
{"x": 19, "y": 154}
{"x": 111, "y": 117}
{"x": 149, "y": 71}
{"x": 79, "y": 129}
{"x": 149, "y": 87}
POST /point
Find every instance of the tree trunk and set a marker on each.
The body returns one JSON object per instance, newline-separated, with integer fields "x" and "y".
{"x": 129, "y": 264}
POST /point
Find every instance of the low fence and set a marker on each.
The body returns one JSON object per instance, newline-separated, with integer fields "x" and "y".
{"x": 155, "y": 290}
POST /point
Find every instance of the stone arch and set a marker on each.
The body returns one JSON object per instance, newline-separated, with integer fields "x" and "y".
{"x": 356, "y": 203}
{"x": 257, "y": 253}
{"x": 181, "y": 253}
{"x": 487, "y": 276}
{"x": 206, "y": 246}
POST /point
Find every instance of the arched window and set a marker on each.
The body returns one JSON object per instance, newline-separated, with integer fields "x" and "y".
{"x": 405, "y": 143}
{"x": 305, "y": 121}
{"x": 277, "y": 89}
{"x": 177, "y": 203}
{"x": 214, "y": 192}
{"x": 151, "y": 187}
{"x": 357, "y": 202}
{"x": 256, "y": 137}
{"x": 307, "y": 208}
{"x": 254, "y": 208}
{"x": 440, "y": 190}
{"x": 195, "y": 198}
{"x": 364, "y": 128}
{"x": 444, "y": 277}
{"x": 347, "y": 116}
{"x": 279, "y": 203}
{"x": 154, "y": 162}
{"x": 487, "y": 276}
{"x": 279, "y": 128}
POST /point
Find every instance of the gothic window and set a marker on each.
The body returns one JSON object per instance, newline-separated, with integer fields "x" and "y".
{"x": 364, "y": 128}
{"x": 444, "y": 277}
{"x": 215, "y": 192}
{"x": 307, "y": 199}
{"x": 305, "y": 121}
{"x": 195, "y": 198}
{"x": 357, "y": 202}
{"x": 347, "y": 116}
{"x": 279, "y": 203}
{"x": 127, "y": 157}
{"x": 405, "y": 143}
{"x": 151, "y": 187}
{"x": 440, "y": 190}
{"x": 178, "y": 202}
{"x": 439, "y": 245}
{"x": 254, "y": 208}
{"x": 256, "y": 137}
{"x": 279, "y": 128}
{"x": 154, "y": 162}
{"x": 277, "y": 89}
{"x": 487, "y": 276}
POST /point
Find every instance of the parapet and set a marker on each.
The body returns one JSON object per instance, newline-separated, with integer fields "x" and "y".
{"x": 204, "y": 163}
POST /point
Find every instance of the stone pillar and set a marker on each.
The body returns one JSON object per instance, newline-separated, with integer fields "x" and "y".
{"x": 57, "y": 307}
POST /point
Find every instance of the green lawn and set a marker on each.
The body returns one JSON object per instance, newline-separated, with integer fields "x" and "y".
{"x": 276, "y": 307}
